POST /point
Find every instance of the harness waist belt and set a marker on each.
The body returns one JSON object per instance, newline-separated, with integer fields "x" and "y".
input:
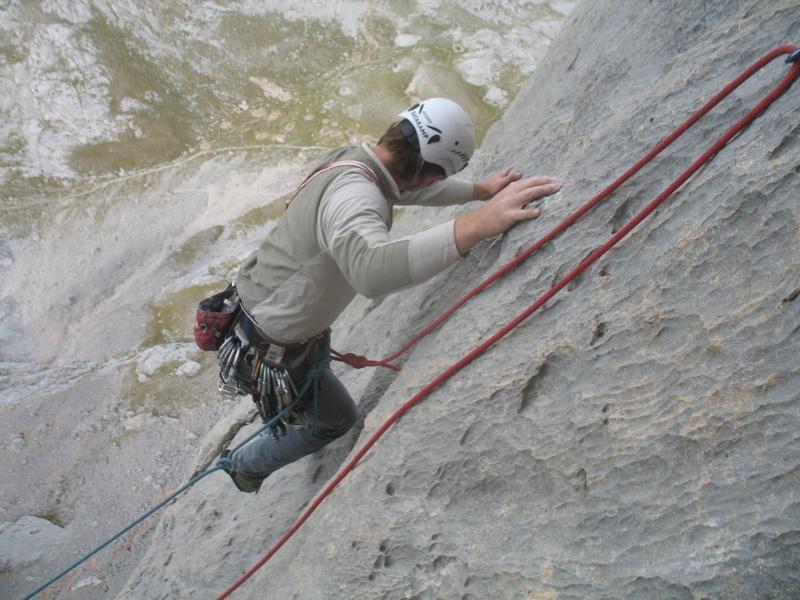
{"x": 276, "y": 353}
{"x": 257, "y": 338}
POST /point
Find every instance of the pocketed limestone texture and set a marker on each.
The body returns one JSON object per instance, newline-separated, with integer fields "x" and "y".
{"x": 639, "y": 437}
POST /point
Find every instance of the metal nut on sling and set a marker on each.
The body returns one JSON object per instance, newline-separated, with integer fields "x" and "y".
{"x": 262, "y": 380}
{"x": 225, "y": 345}
{"x": 221, "y": 354}
{"x": 224, "y": 351}
{"x": 231, "y": 359}
{"x": 223, "y": 359}
{"x": 236, "y": 357}
{"x": 228, "y": 389}
{"x": 279, "y": 388}
{"x": 285, "y": 396}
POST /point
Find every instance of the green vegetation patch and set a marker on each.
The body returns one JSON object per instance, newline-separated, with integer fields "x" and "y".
{"x": 163, "y": 129}
{"x": 288, "y": 49}
{"x": 174, "y": 314}
{"x": 13, "y": 53}
{"x": 258, "y": 216}
{"x": 185, "y": 255}
{"x": 318, "y": 86}
{"x": 167, "y": 394}
{"x": 54, "y": 517}
{"x": 20, "y": 219}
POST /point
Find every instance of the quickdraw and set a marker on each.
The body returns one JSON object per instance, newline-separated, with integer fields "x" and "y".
{"x": 273, "y": 390}
{"x": 228, "y": 356}
{"x": 268, "y": 382}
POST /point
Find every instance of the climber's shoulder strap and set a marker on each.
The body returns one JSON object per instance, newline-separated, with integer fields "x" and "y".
{"x": 327, "y": 167}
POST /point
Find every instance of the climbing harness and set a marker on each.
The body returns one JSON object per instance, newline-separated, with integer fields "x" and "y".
{"x": 251, "y": 363}
{"x": 268, "y": 371}
{"x": 321, "y": 363}
{"x": 228, "y": 358}
{"x": 741, "y": 124}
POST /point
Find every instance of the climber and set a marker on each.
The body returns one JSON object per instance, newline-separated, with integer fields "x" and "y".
{"x": 332, "y": 243}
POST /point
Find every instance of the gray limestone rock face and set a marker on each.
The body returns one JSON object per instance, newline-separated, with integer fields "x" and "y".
{"x": 638, "y": 437}
{"x": 28, "y": 540}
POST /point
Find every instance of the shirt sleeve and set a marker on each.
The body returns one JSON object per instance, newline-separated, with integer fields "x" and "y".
{"x": 352, "y": 228}
{"x": 444, "y": 193}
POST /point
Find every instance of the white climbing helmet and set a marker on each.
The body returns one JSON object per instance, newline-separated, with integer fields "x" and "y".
{"x": 445, "y": 132}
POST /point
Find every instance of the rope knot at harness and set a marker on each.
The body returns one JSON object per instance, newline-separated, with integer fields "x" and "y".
{"x": 359, "y": 362}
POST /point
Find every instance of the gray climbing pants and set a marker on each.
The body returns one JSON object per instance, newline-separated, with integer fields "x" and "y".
{"x": 335, "y": 414}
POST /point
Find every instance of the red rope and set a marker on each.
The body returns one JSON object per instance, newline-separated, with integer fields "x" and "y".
{"x": 359, "y": 362}
{"x": 774, "y": 94}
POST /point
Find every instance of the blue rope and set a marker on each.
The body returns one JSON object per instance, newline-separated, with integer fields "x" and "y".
{"x": 313, "y": 372}
{"x": 192, "y": 481}
{"x": 223, "y": 464}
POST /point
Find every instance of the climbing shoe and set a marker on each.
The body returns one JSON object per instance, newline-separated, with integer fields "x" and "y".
{"x": 243, "y": 483}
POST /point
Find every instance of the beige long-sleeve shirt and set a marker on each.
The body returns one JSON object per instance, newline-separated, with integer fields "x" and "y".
{"x": 333, "y": 242}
